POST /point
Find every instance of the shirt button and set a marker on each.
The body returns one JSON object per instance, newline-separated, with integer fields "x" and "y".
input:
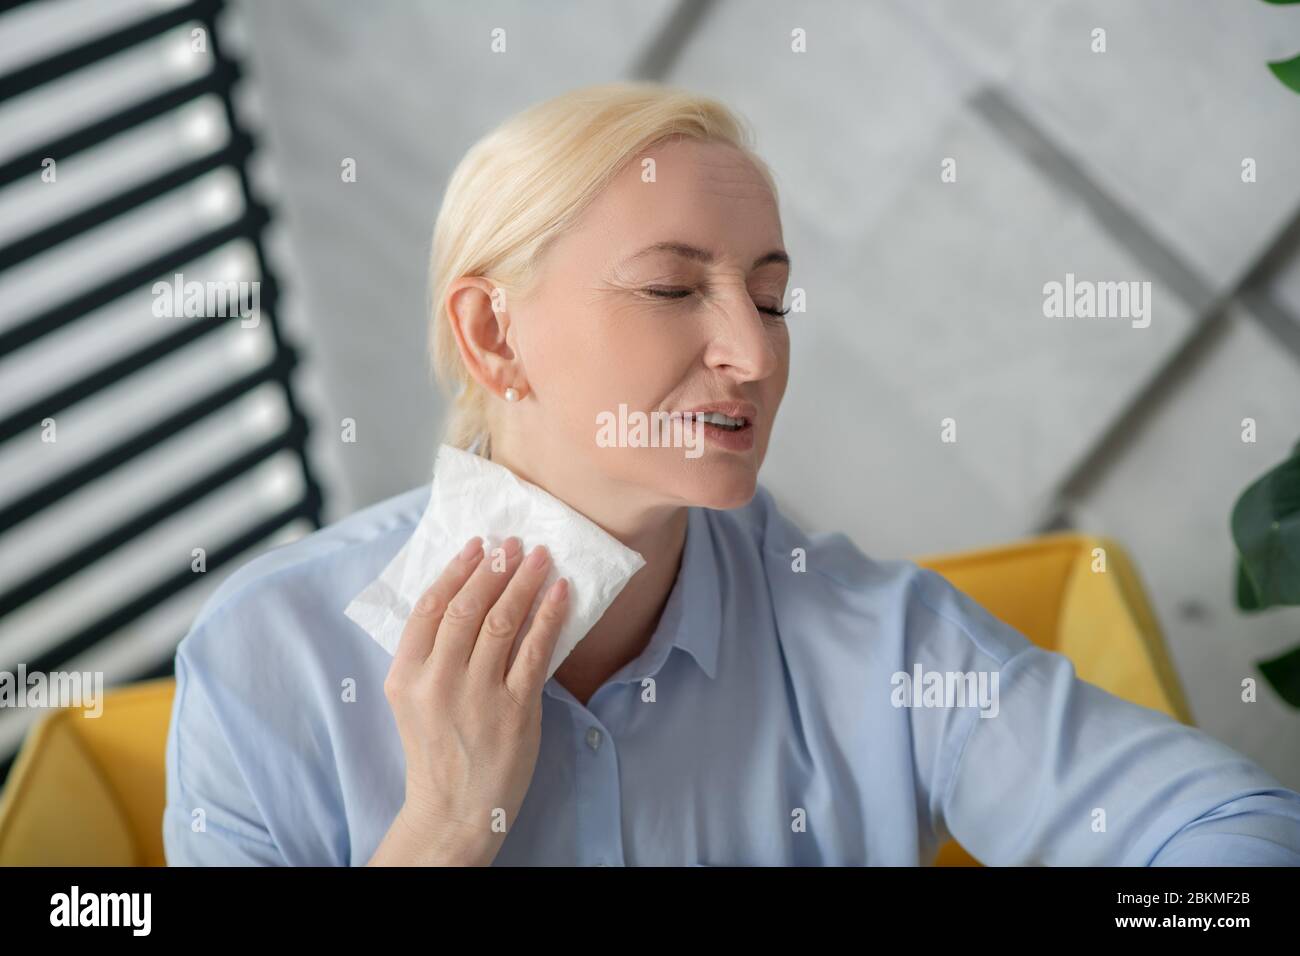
{"x": 593, "y": 738}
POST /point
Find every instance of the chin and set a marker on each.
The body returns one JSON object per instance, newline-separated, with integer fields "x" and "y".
{"x": 718, "y": 480}
{"x": 732, "y": 489}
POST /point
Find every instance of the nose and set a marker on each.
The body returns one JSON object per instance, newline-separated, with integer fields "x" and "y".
{"x": 742, "y": 344}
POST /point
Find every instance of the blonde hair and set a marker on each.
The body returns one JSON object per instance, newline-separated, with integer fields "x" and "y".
{"x": 524, "y": 183}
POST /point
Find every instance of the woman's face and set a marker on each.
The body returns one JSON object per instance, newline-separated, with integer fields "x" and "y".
{"x": 660, "y": 299}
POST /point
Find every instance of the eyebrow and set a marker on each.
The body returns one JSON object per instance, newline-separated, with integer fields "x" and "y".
{"x": 706, "y": 256}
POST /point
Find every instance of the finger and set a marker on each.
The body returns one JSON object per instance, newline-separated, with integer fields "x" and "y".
{"x": 502, "y": 623}
{"x": 463, "y": 619}
{"x": 417, "y": 638}
{"x": 528, "y": 670}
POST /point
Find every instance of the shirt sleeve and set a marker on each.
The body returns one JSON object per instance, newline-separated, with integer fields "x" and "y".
{"x": 1069, "y": 774}
{"x": 252, "y": 775}
{"x": 211, "y": 817}
{"x": 1061, "y": 772}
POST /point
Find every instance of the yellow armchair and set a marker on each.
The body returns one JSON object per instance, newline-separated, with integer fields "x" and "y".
{"x": 90, "y": 792}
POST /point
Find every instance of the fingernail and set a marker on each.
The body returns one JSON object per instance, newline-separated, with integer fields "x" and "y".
{"x": 559, "y": 589}
{"x": 475, "y": 546}
{"x": 538, "y": 557}
{"x": 513, "y": 546}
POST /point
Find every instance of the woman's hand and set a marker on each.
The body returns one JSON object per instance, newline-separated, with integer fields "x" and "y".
{"x": 469, "y": 716}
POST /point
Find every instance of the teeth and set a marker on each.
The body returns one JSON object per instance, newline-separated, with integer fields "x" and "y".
{"x": 717, "y": 418}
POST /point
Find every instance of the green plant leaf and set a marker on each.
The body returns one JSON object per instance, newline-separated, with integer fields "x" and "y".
{"x": 1283, "y": 675}
{"x": 1266, "y": 529}
{"x": 1281, "y": 3}
{"x": 1288, "y": 71}
{"x": 1247, "y": 599}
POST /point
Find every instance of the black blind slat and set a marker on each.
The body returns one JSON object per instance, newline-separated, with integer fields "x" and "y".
{"x": 28, "y": 163}
{"x": 42, "y": 240}
{"x": 127, "y": 531}
{"x": 160, "y": 267}
{"x": 66, "y": 648}
{"x": 27, "y": 78}
{"x": 78, "y": 391}
{"x": 75, "y": 479}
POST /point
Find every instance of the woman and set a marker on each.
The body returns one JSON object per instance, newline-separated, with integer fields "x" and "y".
{"x": 738, "y": 703}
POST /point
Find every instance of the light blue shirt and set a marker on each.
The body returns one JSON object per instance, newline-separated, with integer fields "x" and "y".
{"x": 763, "y": 724}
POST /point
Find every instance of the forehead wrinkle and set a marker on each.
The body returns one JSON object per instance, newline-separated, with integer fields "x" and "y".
{"x": 728, "y": 176}
{"x": 718, "y": 159}
{"x": 690, "y": 252}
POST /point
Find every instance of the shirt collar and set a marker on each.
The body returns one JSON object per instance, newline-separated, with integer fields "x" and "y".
{"x": 692, "y": 617}
{"x": 699, "y": 626}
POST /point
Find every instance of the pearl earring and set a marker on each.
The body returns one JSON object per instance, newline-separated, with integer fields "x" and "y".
{"x": 511, "y": 395}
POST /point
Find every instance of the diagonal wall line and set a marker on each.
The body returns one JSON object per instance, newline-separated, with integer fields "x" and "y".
{"x": 1131, "y": 233}
{"x": 657, "y": 60}
{"x": 1270, "y": 314}
{"x": 1118, "y": 222}
{"x": 1250, "y": 293}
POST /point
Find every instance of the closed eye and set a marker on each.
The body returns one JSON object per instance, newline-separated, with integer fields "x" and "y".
{"x": 662, "y": 293}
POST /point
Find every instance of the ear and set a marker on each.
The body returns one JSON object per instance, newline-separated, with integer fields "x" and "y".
{"x": 480, "y": 321}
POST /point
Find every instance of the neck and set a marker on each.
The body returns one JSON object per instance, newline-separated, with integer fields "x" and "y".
{"x": 657, "y": 533}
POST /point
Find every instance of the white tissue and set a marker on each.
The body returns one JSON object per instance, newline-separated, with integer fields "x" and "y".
{"x": 474, "y": 496}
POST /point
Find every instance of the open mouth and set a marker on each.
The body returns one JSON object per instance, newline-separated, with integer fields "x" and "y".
{"x": 725, "y": 422}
